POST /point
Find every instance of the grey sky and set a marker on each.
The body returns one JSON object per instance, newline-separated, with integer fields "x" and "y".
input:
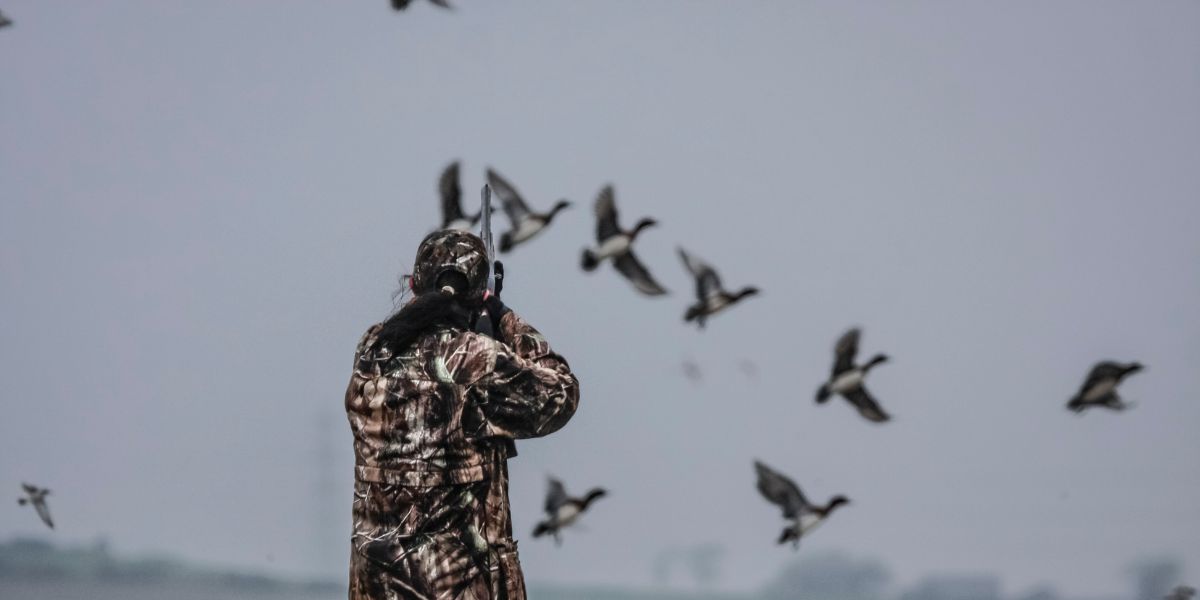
{"x": 204, "y": 204}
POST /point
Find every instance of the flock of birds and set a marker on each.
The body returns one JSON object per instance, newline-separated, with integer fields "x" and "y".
{"x": 615, "y": 244}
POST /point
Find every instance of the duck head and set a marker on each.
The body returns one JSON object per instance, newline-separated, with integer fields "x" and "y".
{"x": 644, "y": 223}
{"x": 875, "y": 360}
{"x": 561, "y": 204}
{"x": 835, "y": 502}
{"x": 746, "y": 291}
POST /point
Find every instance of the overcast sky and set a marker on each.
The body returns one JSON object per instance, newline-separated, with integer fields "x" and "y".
{"x": 204, "y": 204}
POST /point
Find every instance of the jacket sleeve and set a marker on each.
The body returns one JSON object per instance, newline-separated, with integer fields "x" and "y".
{"x": 530, "y": 390}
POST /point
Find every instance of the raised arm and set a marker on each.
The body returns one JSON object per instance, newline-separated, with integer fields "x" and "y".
{"x": 529, "y": 390}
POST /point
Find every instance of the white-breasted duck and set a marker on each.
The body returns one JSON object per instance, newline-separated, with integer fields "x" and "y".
{"x": 847, "y": 379}
{"x": 525, "y": 223}
{"x": 403, "y": 4}
{"x": 616, "y": 244}
{"x": 1100, "y": 387}
{"x": 450, "y": 191}
{"x": 711, "y": 297}
{"x": 563, "y": 510}
{"x": 781, "y": 491}
{"x": 37, "y": 497}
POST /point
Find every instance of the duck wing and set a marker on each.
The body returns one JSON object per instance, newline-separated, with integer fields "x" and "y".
{"x": 636, "y": 273}
{"x": 43, "y": 511}
{"x": 400, "y": 4}
{"x": 556, "y": 496}
{"x": 29, "y": 488}
{"x": 1100, "y": 372}
{"x": 451, "y": 195}
{"x": 778, "y": 489}
{"x": 514, "y": 205}
{"x": 866, "y": 405}
{"x": 708, "y": 283}
{"x": 606, "y": 215}
{"x": 844, "y": 351}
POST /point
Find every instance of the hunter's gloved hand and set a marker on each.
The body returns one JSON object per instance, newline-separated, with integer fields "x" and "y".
{"x": 496, "y": 311}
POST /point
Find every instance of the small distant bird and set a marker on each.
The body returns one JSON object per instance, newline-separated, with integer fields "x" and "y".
{"x": 616, "y": 244}
{"x": 1183, "y": 592}
{"x": 453, "y": 216}
{"x": 37, "y": 497}
{"x": 563, "y": 510}
{"x": 525, "y": 223}
{"x": 711, "y": 297}
{"x": 691, "y": 370}
{"x": 778, "y": 489}
{"x": 1100, "y": 388}
{"x": 403, "y": 4}
{"x": 5, "y": 21}
{"x": 847, "y": 379}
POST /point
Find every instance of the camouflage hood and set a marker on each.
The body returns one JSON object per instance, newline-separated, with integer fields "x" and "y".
{"x": 451, "y": 250}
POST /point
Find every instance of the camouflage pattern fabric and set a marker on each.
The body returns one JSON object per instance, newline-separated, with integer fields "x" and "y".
{"x": 452, "y": 249}
{"x": 433, "y": 429}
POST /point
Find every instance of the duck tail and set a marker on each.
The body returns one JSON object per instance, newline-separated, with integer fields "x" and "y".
{"x": 506, "y": 242}
{"x": 823, "y": 394}
{"x": 542, "y": 529}
{"x": 693, "y": 313}
{"x": 589, "y": 261}
{"x": 1076, "y": 404}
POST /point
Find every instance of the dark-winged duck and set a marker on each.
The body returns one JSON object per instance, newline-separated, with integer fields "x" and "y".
{"x": 403, "y": 4}
{"x": 37, "y": 497}
{"x": 453, "y": 216}
{"x": 847, "y": 378}
{"x": 711, "y": 298}
{"x": 563, "y": 510}
{"x": 525, "y": 223}
{"x": 616, "y": 244}
{"x": 1100, "y": 387}
{"x": 1181, "y": 592}
{"x": 781, "y": 491}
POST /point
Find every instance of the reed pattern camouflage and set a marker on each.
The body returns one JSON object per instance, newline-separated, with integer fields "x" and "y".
{"x": 433, "y": 429}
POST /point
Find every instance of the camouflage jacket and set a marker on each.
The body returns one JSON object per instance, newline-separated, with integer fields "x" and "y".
{"x": 433, "y": 429}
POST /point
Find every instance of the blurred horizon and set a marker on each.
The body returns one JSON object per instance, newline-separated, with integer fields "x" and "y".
{"x": 205, "y": 205}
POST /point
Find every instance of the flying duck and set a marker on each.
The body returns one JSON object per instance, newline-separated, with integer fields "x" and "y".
{"x": 37, "y": 497}
{"x": 562, "y": 510}
{"x": 778, "y": 489}
{"x": 1182, "y": 592}
{"x": 616, "y": 244}
{"x": 5, "y": 21}
{"x": 712, "y": 298}
{"x": 452, "y": 212}
{"x": 847, "y": 379}
{"x": 1100, "y": 387}
{"x": 525, "y": 223}
{"x": 403, "y": 4}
